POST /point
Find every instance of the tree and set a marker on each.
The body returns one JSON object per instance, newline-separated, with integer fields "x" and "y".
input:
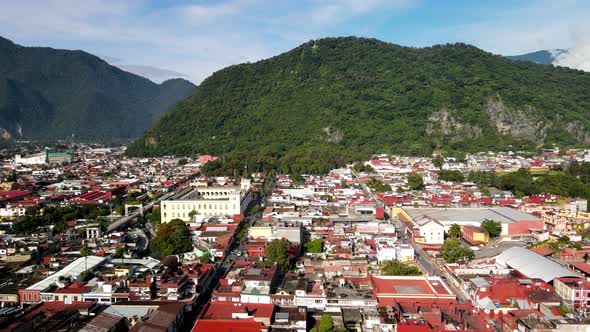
{"x": 25, "y": 226}
{"x": 415, "y": 181}
{"x": 378, "y": 185}
{"x": 396, "y": 268}
{"x": 452, "y": 251}
{"x": 154, "y": 216}
{"x": 326, "y": 324}
{"x": 192, "y": 214}
{"x": 455, "y": 231}
{"x": 171, "y": 239}
{"x": 278, "y": 252}
{"x": 206, "y": 257}
{"x": 362, "y": 168}
{"x": 451, "y": 175}
{"x": 438, "y": 161}
{"x": 314, "y": 246}
{"x": 494, "y": 228}
{"x": 85, "y": 252}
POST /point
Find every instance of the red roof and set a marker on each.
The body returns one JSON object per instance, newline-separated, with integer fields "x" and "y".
{"x": 7, "y": 195}
{"x": 231, "y": 325}
{"x": 543, "y": 251}
{"x": 584, "y": 267}
{"x": 224, "y": 310}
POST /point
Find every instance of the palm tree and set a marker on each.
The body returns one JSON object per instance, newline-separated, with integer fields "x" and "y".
{"x": 455, "y": 231}
{"x": 85, "y": 252}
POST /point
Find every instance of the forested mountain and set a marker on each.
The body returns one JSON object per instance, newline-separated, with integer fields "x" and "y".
{"x": 337, "y": 99}
{"x": 51, "y": 94}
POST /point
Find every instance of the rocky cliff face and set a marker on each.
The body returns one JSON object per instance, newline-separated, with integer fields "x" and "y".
{"x": 523, "y": 124}
{"x": 445, "y": 123}
{"x": 518, "y": 123}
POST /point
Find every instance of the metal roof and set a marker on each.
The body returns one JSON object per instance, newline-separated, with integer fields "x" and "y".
{"x": 505, "y": 215}
{"x": 73, "y": 270}
{"x": 532, "y": 265}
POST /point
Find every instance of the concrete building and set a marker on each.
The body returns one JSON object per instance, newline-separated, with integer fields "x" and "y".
{"x": 207, "y": 201}
{"x": 574, "y": 291}
{"x": 47, "y": 156}
{"x": 426, "y": 223}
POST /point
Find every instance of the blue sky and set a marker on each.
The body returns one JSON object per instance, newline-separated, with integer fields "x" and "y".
{"x": 199, "y": 37}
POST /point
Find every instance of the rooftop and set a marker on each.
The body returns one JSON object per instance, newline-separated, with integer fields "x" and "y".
{"x": 505, "y": 215}
{"x": 532, "y": 265}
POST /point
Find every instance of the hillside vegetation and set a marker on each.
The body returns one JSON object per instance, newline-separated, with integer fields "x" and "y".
{"x": 339, "y": 99}
{"x": 50, "y": 94}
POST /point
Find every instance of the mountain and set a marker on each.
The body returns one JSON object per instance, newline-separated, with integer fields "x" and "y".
{"x": 50, "y": 94}
{"x": 544, "y": 57}
{"x": 154, "y": 74}
{"x": 339, "y": 99}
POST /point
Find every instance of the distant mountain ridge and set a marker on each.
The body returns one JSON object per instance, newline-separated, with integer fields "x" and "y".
{"x": 544, "y": 57}
{"x": 335, "y": 100}
{"x": 51, "y": 94}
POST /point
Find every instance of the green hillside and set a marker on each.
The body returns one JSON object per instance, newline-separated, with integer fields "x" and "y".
{"x": 338, "y": 99}
{"x": 51, "y": 94}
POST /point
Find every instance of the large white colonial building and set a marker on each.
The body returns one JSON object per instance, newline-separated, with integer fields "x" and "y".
{"x": 207, "y": 201}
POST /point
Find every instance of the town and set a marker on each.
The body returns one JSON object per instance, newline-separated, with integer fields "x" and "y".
{"x": 92, "y": 240}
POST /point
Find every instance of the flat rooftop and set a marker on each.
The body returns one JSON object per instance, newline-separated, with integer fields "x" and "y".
{"x": 504, "y": 215}
{"x": 225, "y": 310}
{"x": 193, "y": 193}
{"x": 410, "y": 285}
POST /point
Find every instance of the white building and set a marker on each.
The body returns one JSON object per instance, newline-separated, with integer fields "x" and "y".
{"x": 207, "y": 201}
{"x": 34, "y": 159}
{"x": 12, "y": 211}
{"x": 431, "y": 230}
{"x": 389, "y": 251}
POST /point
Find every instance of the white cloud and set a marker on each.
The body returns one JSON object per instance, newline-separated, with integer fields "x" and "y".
{"x": 578, "y": 56}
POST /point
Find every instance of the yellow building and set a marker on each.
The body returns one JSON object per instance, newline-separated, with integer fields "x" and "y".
{"x": 475, "y": 235}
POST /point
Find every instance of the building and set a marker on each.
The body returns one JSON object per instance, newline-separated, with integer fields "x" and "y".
{"x": 574, "y": 291}
{"x": 391, "y": 290}
{"x": 532, "y": 265}
{"x": 474, "y": 235}
{"x": 207, "y": 201}
{"x": 515, "y": 224}
{"x": 45, "y": 157}
{"x": 44, "y": 289}
{"x": 389, "y": 251}
{"x": 55, "y": 157}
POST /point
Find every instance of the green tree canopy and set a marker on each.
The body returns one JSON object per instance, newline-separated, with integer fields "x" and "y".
{"x": 455, "y": 231}
{"x": 362, "y": 168}
{"x": 415, "y": 181}
{"x": 314, "y": 246}
{"x": 452, "y": 251}
{"x": 172, "y": 238}
{"x": 85, "y": 251}
{"x": 438, "y": 161}
{"x": 451, "y": 175}
{"x": 378, "y": 185}
{"x": 494, "y": 228}
{"x": 396, "y": 268}
{"x": 278, "y": 252}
